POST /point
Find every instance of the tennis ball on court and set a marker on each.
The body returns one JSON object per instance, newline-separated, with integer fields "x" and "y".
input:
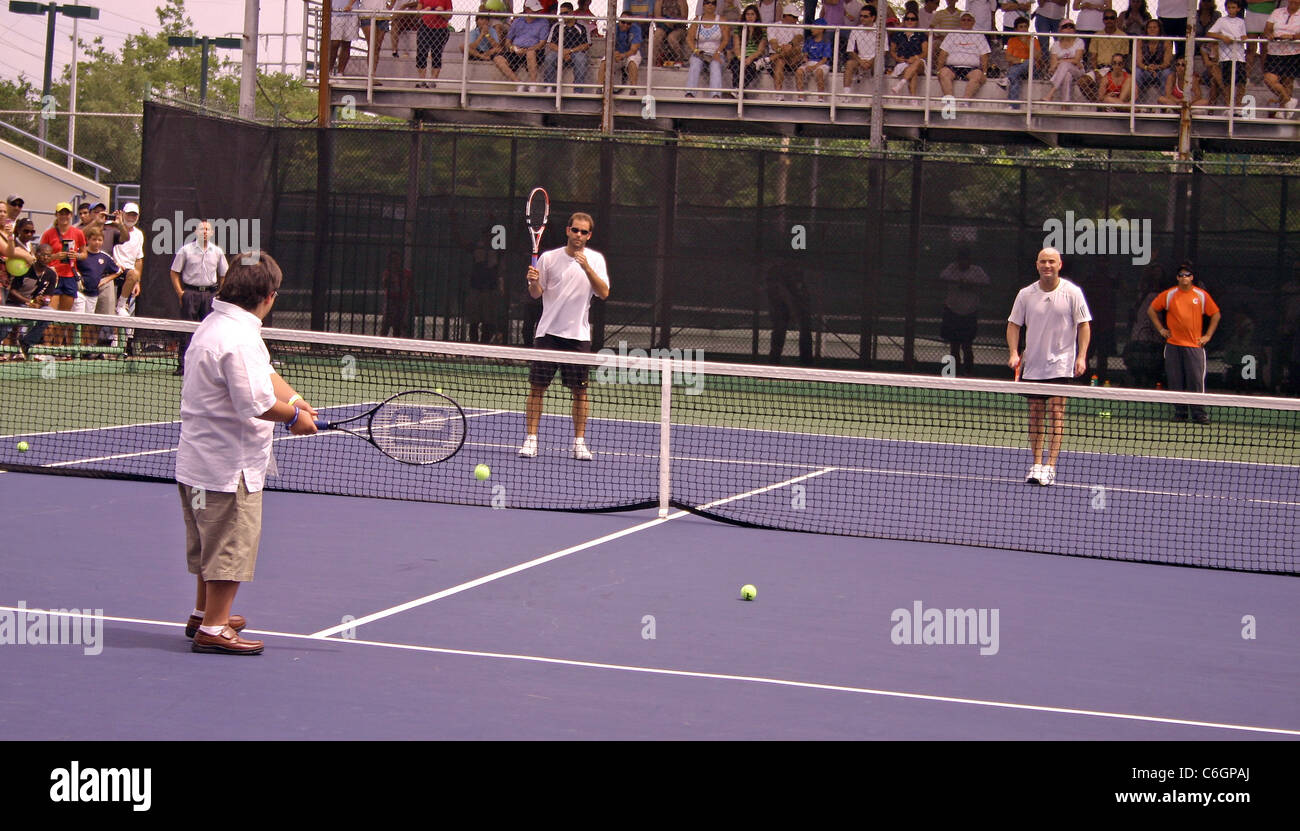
{"x": 438, "y": 390}
{"x": 23, "y": 447}
{"x": 482, "y": 472}
{"x": 1103, "y": 414}
{"x": 748, "y": 592}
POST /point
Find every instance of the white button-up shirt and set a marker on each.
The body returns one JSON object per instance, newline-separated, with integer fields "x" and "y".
{"x": 227, "y": 386}
{"x": 199, "y": 265}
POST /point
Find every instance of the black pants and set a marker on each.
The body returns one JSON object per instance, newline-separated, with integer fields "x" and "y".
{"x": 195, "y": 305}
{"x": 1185, "y": 372}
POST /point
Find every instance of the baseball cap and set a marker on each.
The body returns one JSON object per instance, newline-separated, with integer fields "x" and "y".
{"x": 532, "y": 6}
{"x": 130, "y": 208}
{"x": 1185, "y": 265}
{"x": 821, "y": 21}
{"x": 63, "y": 206}
{"x": 98, "y": 205}
{"x": 791, "y": 10}
{"x": 15, "y": 199}
{"x": 965, "y": 15}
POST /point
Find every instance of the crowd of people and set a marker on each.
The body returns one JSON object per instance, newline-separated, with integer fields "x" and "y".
{"x": 88, "y": 261}
{"x": 1104, "y": 56}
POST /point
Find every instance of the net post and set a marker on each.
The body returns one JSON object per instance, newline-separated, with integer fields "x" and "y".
{"x": 665, "y": 421}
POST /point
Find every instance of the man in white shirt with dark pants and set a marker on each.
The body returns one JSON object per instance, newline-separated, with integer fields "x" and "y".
{"x": 230, "y": 403}
{"x": 565, "y": 279}
{"x": 1055, "y": 317}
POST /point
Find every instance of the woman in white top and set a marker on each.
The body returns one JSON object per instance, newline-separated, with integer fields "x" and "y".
{"x": 1089, "y": 19}
{"x": 1066, "y": 63}
{"x": 705, "y": 40}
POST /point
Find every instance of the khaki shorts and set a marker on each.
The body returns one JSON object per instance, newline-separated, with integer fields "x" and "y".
{"x": 222, "y": 532}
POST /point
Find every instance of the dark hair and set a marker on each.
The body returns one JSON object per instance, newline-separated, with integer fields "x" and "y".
{"x": 253, "y": 277}
{"x": 869, "y": 8}
{"x": 22, "y": 224}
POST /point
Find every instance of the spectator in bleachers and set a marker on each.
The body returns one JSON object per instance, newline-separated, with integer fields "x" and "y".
{"x": 83, "y": 216}
{"x": 526, "y": 38}
{"x": 1230, "y": 69}
{"x": 1021, "y": 49}
{"x": 343, "y": 30}
{"x": 751, "y": 55}
{"x": 368, "y": 12}
{"x": 1110, "y": 42}
{"x": 861, "y": 48}
{"x": 1047, "y": 19}
{"x": 430, "y": 39}
{"x": 785, "y": 42}
{"x": 1173, "y": 21}
{"x": 907, "y": 48}
{"x": 983, "y": 11}
{"x": 1013, "y": 10}
{"x": 833, "y": 12}
{"x": 1133, "y": 22}
{"x": 485, "y": 42}
{"x": 566, "y": 45}
{"x": 14, "y": 206}
{"x": 1116, "y": 87}
{"x": 926, "y": 15}
{"x": 1065, "y": 63}
{"x": 947, "y": 19}
{"x": 627, "y": 50}
{"x": 706, "y": 40}
{"x": 729, "y": 10}
{"x": 1175, "y": 94}
{"x": 670, "y": 40}
{"x": 769, "y": 11}
{"x": 1091, "y": 15}
{"x": 964, "y": 56}
{"x": 1282, "y": 65}
{"x": 403, "y": 23}
{"x": 593, "y": 29}
{"x": 819, "y": 52}
{"x": 640, "y": 8}
{"x": 1155, "y": 57}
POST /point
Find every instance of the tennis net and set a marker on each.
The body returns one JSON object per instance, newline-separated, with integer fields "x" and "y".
{"x": 931, "y": 459}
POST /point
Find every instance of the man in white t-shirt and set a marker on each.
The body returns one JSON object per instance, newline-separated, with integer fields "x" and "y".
{"x": 1055, "y": 316}
{"x": 1282, "y": 64}
{"x": 565, "y": 279}
{"x": 861, "y": 48}
{"x": 964, "y": 56}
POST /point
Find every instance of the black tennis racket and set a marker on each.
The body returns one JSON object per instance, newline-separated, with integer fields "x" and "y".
{"x": 417, "y": 427}
{"x": 536, "y": 214}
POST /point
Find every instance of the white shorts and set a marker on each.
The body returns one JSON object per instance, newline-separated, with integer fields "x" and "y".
{"x": 343, "y": 26}
{"x": 634, "y": 59}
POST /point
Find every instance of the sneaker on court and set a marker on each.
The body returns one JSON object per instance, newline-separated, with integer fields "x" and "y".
{"x": 529, "y": 450}
{"x": 1035, "y": 474}
{"x": 1047, "y": 476}
{"x": 580, "y": 451}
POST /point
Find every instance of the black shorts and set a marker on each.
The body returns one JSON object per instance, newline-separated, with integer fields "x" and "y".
{"x": 574, "y": 376}
{"x": 1283, "y": 66}
{"x": 1048, "y": 381}
{"x": 961, "y": 73}
{"x": 957, "y": 328}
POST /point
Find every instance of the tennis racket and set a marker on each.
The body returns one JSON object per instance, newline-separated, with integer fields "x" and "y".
{"x": 417, "y": 427}
{"x": 536, "y": 213}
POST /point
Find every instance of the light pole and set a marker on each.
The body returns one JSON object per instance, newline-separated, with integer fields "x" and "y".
{"x": 205, "y": 42}
{"x": 50, "y": 10}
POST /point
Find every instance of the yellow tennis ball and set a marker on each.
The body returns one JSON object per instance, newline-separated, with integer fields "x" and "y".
{"x": 748, "y": 592}
{"x": 23, "y": 447}
{"x": 482, "y": 472}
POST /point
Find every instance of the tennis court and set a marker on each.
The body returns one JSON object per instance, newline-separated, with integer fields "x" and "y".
{"x": 406, "y": 616}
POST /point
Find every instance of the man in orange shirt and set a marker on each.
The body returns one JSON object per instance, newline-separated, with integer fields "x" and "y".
{"x": 1185, "y": 307}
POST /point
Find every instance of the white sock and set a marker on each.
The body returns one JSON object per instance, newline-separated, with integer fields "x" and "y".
{"x": 198, "y": 613}
{"x": 212, "y": 630}
{"x": 577, "y": 440}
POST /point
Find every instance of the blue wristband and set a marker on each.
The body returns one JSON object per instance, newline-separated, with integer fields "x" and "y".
{"x": 293, "y": 420}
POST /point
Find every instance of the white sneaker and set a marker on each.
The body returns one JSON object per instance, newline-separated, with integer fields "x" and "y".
{"x": 1048, "y": 476}
{"x": 529, "y": 450}
{"x": 580, "y": 451}
{"x": 1035, "y": 474}
{"x": 897, "y": 87}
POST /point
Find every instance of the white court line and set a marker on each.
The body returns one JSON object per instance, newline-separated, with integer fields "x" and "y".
{"x": 497, "y": 575}
{"x": 717, "y": 676}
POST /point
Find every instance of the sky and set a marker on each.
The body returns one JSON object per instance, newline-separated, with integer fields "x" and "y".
{"x": 22, "y": 36}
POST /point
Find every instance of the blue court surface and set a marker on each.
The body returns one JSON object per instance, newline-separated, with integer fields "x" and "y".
{"x": 388, "y": 619}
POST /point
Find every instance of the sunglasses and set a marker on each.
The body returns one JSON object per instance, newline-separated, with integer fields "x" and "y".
{"x": 1109, "y": 17}
{"x": 584, "y": 231}
{"x": 1185, "y": 273}
{"x": 910, "y": 17}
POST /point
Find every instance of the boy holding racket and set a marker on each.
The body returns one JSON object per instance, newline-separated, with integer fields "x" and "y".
{"x": 1055, "y": 317}
{"x": 565, "y": 279}
{"x": 230, "y": 403}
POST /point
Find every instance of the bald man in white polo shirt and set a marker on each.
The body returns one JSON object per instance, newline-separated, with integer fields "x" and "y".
{"x": 1055, "y": 317}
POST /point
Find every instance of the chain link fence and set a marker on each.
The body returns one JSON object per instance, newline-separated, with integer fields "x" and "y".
{"x": 755, "y": 249}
